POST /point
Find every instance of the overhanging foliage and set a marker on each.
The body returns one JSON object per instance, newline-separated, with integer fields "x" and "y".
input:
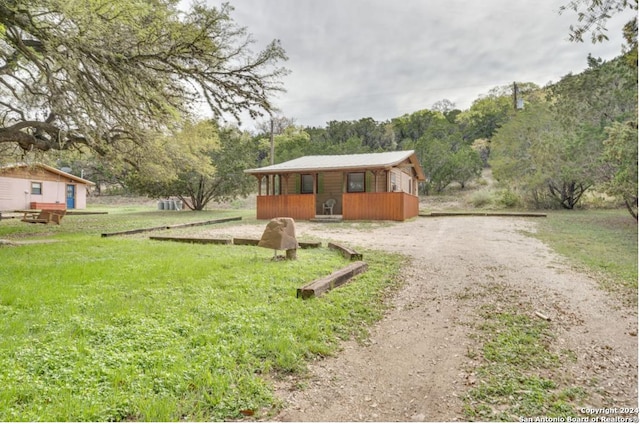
{"x": 102, "y": 74}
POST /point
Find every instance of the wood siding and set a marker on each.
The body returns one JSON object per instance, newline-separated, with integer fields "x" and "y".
{"x": 330, "y": 188}
{"x": 296, "y": 206}
{"x": 382, "y": 206}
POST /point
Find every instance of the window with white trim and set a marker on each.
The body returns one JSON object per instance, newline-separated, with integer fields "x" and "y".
{"x": 36, "y": 188}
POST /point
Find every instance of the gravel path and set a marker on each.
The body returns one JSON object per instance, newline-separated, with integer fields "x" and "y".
{"x": 415, "y": 366}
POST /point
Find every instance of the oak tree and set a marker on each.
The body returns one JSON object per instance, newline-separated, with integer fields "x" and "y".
{"x": 104, "y": 73}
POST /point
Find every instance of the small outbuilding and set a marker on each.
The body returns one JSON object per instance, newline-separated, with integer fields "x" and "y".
{"x": 369, "y": 186}
{"x": 30, "y": 186}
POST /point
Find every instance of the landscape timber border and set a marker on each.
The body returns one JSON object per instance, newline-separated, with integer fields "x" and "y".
{"x": 347, "y": 252}
{"x": 504, "y": 214}
{"x": 333, "y": 280}
{"x": 234, "y": 240}
{"x": 169, "y": 227}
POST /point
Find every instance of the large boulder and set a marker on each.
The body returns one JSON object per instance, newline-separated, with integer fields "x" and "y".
{"x": 280, "y": 234}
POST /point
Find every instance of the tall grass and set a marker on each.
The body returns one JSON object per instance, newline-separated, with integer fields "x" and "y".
{"x": 113, "y": 329}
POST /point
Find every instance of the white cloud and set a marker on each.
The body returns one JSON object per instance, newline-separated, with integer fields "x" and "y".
{"x": 352, "y": 59}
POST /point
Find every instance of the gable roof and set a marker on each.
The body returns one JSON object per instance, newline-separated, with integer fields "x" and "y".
{"x": 47, "y": 168}
{"x": 385, "y": 160}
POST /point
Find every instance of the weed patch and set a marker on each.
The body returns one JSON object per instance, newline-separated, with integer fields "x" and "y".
{"x": 515, "y": 375}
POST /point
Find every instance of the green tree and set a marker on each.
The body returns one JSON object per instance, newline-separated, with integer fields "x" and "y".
{"x": 593, "y": 16}
{"x": 536, "y": 153}
{"x": 202, "y": 163}
{"x": 104, "y": 73}
{"x": 410, "y": 127}
{"x": 442, "y": 152}
{"x": 604, "y": 93}
{"x": 491, "y": 111}
{"x": 467, "y": 165}
{"x": 437, "y": 162}
{"x": 621, "y": 158}
{"x": 293, "y": 143}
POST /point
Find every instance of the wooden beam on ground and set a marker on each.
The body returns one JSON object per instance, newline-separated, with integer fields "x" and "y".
{"x": 168, "y": 227}
{"x": 136, "y": 231}
{"x": 81, "y": 212}
{"x": 335, "y": 279}
{"x": 348, "y": 253}
{"x": 246, "y": 242}
{"x": 213, "y": 221}
{"x": 507, "y": 214}
{"x": 195, "y": 240}
{"x": 309, "y": 244}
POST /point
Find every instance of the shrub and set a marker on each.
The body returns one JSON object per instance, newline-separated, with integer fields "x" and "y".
{"x": 481, "y": 198}
{"x": 508, "y": 198}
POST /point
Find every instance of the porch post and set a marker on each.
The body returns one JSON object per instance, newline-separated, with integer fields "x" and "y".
{"x": 388, "y": 172}
{"x": 259, "y": 177}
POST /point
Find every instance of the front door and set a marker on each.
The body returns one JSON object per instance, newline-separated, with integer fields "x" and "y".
{"x": 71, "y": 196}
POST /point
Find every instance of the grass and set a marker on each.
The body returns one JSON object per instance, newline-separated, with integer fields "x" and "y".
{"x": 515, "y": 378}
{"x": 605, "y": 242}
{"x": 124, "y": 328}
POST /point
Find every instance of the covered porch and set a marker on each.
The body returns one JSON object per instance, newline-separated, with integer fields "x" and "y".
{"x": 355, "y": 206}
{"x": 353, "y": 187}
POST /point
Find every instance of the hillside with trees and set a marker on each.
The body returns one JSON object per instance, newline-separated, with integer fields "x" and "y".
{"x": 70, "y": 97}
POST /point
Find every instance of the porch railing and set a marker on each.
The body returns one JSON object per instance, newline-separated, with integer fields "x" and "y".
{"x": 296, "y": 206}
{"x": 394, "y": 206}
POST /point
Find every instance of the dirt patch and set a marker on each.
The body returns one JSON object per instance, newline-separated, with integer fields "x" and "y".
{"x": 415, "y": 365}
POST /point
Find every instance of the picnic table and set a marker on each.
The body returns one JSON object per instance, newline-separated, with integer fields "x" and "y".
{"x": 42, "y": 216}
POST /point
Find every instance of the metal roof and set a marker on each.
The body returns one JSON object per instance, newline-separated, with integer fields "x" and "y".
{"x": 361, "y": 161}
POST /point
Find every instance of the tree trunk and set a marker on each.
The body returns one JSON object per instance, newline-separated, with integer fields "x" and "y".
{"x": 569, "y": 194}
{"x": 632, "y": 207}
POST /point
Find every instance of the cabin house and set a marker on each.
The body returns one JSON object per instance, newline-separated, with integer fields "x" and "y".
{"x": 370, "y": 186}
{"x": 34, "y": 186}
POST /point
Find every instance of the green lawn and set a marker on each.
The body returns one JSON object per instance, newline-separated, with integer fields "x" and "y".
{"x": 604, "y": 242}
{"x": 124, "y": 328}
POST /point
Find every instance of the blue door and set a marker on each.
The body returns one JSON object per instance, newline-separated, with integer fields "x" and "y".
{"x": 71, "y": 196}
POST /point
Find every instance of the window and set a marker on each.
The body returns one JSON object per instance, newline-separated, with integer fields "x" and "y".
{"x": 394, "y": 186}
{"x": 306, "y": 185}
{"x": 355, "y": 182}
{"x": 36, "y": 188}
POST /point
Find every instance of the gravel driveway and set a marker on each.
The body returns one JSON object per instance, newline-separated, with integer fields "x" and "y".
{"x": 415, "y": 365}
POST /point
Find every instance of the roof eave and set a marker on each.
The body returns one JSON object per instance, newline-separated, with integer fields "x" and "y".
{"x": 262, "y": 171}
{"x": 55, "y": 171}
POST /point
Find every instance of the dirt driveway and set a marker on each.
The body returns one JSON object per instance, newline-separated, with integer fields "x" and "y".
{"x": 415, "y": 365}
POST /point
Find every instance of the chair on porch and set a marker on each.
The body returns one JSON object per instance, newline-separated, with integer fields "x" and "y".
{"x": 328, "y": 206}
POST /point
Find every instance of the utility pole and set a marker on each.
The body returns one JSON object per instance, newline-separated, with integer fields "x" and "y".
{"x": 272, "y": 144}
{"x": 517, "y": 103}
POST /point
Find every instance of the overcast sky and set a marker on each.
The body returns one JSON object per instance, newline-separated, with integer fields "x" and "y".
{"x": 351, "y": 59}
